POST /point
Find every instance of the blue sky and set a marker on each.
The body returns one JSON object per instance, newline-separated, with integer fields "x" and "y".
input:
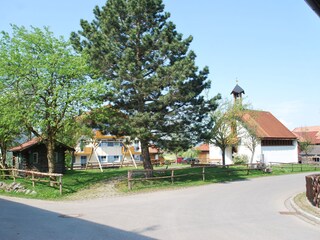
{"x": 271, "y": 47}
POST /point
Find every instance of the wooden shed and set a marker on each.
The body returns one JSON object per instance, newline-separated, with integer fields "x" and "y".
{"x": 33, "y": 155}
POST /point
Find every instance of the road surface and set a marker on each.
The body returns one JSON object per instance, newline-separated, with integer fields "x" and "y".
{"x": 250, "y": 209}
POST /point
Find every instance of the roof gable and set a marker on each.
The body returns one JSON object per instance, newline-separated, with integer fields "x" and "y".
{"x": 266, "y": 125}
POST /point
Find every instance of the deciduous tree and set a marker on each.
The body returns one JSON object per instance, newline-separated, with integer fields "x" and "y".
{"x": 47, "y": 80}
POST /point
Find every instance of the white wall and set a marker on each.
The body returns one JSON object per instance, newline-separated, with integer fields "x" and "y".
{"x": 281, "y": 154}
{"x": 215, "y": 155}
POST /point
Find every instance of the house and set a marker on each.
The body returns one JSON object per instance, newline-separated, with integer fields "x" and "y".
{"x": 273, "y": 141}
{"x": 156, "y": 155}
{"x": 310, "y": 135}
{"x": 107, "y": 149}
{"x": 33, "y": 155}
{"x": 203, "y": 154}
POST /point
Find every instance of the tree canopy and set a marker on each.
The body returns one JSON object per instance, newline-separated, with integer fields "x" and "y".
{"x": 150, "y": 71}
{"x": 46, "y": 81}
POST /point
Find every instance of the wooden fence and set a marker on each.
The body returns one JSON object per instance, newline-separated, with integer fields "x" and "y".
{"x": 145, "y": 175}
{"x": 172, "y": 173}
{"x": 295, "y": 166}
{"x": 34, "y": 176}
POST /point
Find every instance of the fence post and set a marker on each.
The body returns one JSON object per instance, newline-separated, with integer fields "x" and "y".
{"x": 13, "y": 175}
{"x": 60, "y": 184}
{"x": 32, "y": 179}
{"x": 292, "y": 167}
{"x": 129, "y": 179}
{"x": 172, "y": 176}
{"x": 203, "y": 174}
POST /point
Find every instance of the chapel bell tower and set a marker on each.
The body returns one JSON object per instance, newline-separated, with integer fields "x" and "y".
{"x": 237, "y": 93}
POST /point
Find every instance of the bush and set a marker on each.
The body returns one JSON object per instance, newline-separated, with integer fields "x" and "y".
{"x": 240, "y": 159}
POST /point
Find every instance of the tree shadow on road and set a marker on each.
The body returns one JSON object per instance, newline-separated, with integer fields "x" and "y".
{"x": 20, "y": 221}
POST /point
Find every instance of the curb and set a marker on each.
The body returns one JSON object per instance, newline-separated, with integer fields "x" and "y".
{"x": 303, "y": 213}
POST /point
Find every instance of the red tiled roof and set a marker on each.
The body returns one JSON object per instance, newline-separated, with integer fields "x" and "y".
{"x": 311, "y": 134}
{"x": 267, "y": 126}
{"x": 154, "y": 150}
{"x": 25, "y": 145}
{"x": 203, "y": 147}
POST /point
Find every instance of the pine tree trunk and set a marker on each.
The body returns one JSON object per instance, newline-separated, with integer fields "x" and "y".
{"x": 146, "y": 156}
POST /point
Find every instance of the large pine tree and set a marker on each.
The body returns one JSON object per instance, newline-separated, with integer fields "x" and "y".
{"x": 150, "y": 71}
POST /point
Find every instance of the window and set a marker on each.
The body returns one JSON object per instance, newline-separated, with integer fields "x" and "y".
{"x": 114, "y": 158}
{"x": 83, "y": 160}
{"x": 102, "y": 158}
{"x": 276, "y": 142}
{"x": 105, "y": 143}
{"x": 35, "y": 157}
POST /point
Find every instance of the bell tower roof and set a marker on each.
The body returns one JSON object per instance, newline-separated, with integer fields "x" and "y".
{"x": 237, "y": 90}
{"x": 237, "y": 93}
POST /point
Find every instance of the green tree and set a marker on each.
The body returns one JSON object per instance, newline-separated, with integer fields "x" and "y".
{"x": 148, "y": 65}
{"x": 305, "y": 143}
{"x": 249, "y": 137}
{"x": 10, "y": 126}
{"x": 47, "y": 80}
{"x": 224, "y": 133}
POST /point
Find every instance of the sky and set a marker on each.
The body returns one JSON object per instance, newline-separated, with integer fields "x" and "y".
{"x": 270, "y": 48}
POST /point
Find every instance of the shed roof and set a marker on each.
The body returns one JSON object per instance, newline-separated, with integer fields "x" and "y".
{"x": 33, "y": 142}
{"x": 203, "y": 147}
{"x": 266, "y": 125}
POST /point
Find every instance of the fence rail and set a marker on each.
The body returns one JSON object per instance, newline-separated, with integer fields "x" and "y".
{"x": 293, "y": 166}
{"x": 35, "y": 176}
{"x": 145, "y": 175}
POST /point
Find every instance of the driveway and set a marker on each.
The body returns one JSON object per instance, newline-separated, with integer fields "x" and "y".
{"x": 252, "y": 209}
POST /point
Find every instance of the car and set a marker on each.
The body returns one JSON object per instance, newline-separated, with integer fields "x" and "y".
{"x": 189, "y": 160}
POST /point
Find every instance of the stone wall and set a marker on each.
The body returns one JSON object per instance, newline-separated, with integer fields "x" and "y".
{"x": 313, "y": 189}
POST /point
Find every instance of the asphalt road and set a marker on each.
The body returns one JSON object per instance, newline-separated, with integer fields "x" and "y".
{"x": 252, "y": 209}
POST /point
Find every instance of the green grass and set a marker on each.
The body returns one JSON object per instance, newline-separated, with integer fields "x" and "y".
{"x": 72, "y": 182}
{"x": 75, "y": 181}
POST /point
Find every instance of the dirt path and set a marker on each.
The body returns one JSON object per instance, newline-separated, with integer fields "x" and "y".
{"x": 100, "y": 190}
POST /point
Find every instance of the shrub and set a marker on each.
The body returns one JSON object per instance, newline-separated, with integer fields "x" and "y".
{"x": 240, "y": 159}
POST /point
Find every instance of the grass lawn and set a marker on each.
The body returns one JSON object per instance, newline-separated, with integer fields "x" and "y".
{"x": 75, "y": 181}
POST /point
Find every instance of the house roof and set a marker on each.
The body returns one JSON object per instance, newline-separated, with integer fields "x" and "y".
{"x": 266, "y": 125}
{"x": 311, "y": 134}
{"x": 33, "y": 142}
{"x": 203, "y": 147}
